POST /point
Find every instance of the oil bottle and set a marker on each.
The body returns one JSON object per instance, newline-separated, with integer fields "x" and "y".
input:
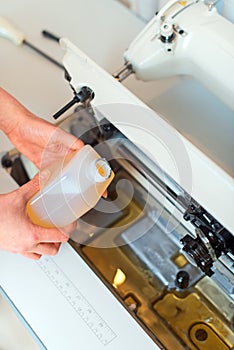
{"x": 75, "y": 185}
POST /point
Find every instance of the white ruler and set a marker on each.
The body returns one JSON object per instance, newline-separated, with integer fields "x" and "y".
{"x": 77, "y": 301}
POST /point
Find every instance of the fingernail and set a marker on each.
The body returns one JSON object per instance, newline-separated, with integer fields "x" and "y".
{"x": 105, "y": 194}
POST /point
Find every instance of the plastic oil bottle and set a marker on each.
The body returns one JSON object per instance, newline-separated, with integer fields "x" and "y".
{"x": 75, "y": 185}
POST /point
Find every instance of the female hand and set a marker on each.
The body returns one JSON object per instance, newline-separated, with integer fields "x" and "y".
{"x": 37, "y": 139}
{"x": 18, "y": 234}
{"x": 42, "y": 143}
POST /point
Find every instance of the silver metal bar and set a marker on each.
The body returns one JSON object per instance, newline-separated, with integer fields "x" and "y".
{"x": 124, "y": 72}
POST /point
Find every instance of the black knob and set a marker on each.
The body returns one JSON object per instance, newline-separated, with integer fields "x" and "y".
{"x": 182, "y": 279}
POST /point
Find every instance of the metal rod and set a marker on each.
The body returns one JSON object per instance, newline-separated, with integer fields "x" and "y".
{"x": 50, "y": 35}
{"x": 66, "y": 107}
{"x": 43, "y": 54}
{"x": 85, "y": 95}
{"x": 124, "y": 72}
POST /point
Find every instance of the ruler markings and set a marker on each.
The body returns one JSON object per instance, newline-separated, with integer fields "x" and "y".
{"x": 77, "y": 300}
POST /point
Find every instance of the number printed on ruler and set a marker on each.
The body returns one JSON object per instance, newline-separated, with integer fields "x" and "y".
{"x": 79, "y": 303}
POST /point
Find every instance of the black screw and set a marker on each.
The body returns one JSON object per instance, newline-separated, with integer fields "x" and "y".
{"x": 107, "y": 127}
{"x": 6, "y": 161}
{"x": 182, "y": 279}
{"x": 201, "y": 334}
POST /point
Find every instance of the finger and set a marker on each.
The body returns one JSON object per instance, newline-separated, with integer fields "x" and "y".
{"x": 57, "y": 150}
{"x": 33, "y": 186}
{"x": 60, "y": 136}
{"x": 105, "y": 194}
{"x": 47, "y": 248}
{"x": 50, "y": 235}
{"x": 67, "y": 230}
{"x": 77, "y": 145}
{"x": 33, "y": 256}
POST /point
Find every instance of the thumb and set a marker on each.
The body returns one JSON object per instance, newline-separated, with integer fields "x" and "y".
{"x": 33, "y": 186}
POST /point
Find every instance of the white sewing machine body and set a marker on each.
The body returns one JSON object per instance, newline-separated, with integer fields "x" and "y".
{"x": 187, "y": 38}
{"x": 142, "y": 124}
{"x": 132, "y": 239}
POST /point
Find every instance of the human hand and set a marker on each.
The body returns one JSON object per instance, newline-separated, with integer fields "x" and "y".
{"x": 37, "y": 139}
{"x": 18, "y": 234}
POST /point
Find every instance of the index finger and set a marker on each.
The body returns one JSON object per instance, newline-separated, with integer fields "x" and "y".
{"x": 55, "y": 235}
{"x": 51, "y": 235}
{"x": 68, "y": 140}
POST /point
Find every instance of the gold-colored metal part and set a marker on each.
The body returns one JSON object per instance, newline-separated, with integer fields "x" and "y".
{"x": 180, "y": 260}
{"x": 218, "y": 298}
{"x": 13, "y": 153}
{"x": 138, "y": 284}
{"x": 187, "y": 315}
{"x": 132, "y": 303}
{"x": 183, "y": 3}
{"x": 199, "y": 318}
{"x": 205, "y": 338}
{"x": 179, "y": 320}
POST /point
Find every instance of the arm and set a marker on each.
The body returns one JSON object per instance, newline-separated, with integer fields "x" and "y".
{"x": 38, "y": 140}
{"x": 42, "y": 143}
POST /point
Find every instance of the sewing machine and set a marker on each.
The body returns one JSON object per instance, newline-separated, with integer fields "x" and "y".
{"x": 186, "y": 38}
{"x": 161, "y": 245}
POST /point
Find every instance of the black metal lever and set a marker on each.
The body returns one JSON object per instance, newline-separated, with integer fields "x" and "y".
{"x": 85, "y": 95}
{"x": 50, "y": 35}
